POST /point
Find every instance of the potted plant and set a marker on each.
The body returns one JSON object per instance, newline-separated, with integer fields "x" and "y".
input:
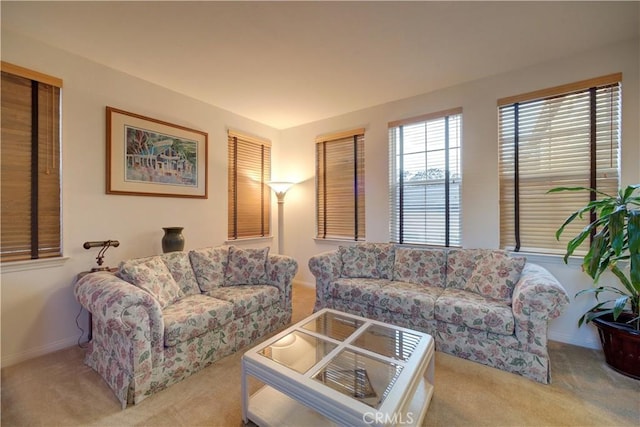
{"x": 615, "y": 246}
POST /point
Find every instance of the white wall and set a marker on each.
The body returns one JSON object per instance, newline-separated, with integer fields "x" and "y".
{"x": 480, "y": 196}
{"x": 38, "y": 306}
{"x": 38, "y": 310}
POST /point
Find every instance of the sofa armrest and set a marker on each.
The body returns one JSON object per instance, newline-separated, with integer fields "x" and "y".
{"x": 132, "y": 316}
{"x": 326, "y": 267}
{"x": 538, "y": 297}
{"x": 281, "y": 270}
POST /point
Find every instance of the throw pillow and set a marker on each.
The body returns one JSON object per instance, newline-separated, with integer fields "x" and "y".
{"x": 179, "y": 265}
{"x": 495, "y": 276}
{"x": 124, "y": 267}
{"x": 153, "y": 276}
{"x": 385, "y": 257}
{"x": 359, "y": 261}
{"x": 420, "y": 266}
{"x": 460, "y": 265}
{"x": 246, "y": 266}
{"x": 210, "y": 266}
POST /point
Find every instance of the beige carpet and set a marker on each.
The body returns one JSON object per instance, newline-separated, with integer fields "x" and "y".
{"x": 59, "y": 390}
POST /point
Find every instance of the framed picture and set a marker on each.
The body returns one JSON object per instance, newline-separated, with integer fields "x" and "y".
{"x": 149, "y": 157}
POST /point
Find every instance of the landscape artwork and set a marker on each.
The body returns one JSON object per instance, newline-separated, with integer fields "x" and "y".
{"x": 159, "y": 158}
{"x": 150, "y": 157}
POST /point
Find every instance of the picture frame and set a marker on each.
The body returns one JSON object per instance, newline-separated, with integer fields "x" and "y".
{"x": 150, "y": 157}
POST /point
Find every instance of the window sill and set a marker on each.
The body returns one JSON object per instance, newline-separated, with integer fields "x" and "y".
{"x": 336, "y": 240}
{"x": 538, "y": 258}
{"x": 249, "y": 240}
{"x": 32, "y": 264}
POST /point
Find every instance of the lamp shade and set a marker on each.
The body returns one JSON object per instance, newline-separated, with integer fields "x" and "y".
{"x": 280, "y": 187}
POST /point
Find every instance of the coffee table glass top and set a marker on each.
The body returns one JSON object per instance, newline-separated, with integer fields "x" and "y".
{"x": 359, "y": 376}
{"x": 355, "y": 370}
{"x": 388, "y": 342}
{"x": 333, "y": 325}
{"x": 298, "y": 351}
{"x": 383, "y": 340}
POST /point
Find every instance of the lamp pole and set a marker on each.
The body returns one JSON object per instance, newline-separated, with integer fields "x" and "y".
{"x": 280, "y": 222}
{"x": 280, "y": 188}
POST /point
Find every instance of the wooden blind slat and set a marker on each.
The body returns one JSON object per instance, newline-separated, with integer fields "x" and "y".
{"x": 340, "y": 191}
{"x": 554, "y": 149}
{"x": 340, "y": 135}
{"x": 425, "y": 117}
{"x": 249, "y": 199}
{"x": 425, "y": 179}
{"x": 248, "y": 138}
{"x": 28, "y": 74}
{"x": 562, "y": 89}
{"x": 16, "y": 173}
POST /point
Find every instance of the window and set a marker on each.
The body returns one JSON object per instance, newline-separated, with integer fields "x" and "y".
{"x": 249, "y": 197}
{"x": 340, "y": 186}
{"x": 566, "y": 136}
{"x": 425, "y": 179}
{"x": 30, "y": 165}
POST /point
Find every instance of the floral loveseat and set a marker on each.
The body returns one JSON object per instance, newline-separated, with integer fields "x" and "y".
{"x": 479, "y": 304}
{"x": 160, "y": 319}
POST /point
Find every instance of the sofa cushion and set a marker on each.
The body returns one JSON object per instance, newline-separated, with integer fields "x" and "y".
{"x": 359, "y": 261}
{"x": 193, "y": 316}
{"x": 209, "y": 266}
{"x": 246, "y": 266}
{"x": 361, "y": 290}
{"x": 496, "y": 275}
{"x": 482, "y": 346}
{"x": 408, "y": 298}
{"x": 474, "y": 311}
{"x": 179, "y": 265}
{"x": 420, "y": 266}
{"x": 247, "y": 299}
{"x": 152, "y": 275}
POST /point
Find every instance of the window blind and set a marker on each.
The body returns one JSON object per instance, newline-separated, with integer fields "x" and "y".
{"x": 425, "y": 179}
{"x": 567, "y": 136}
{"x": 340, "y": 194}
{"x": 249, "y": 198}
{"x": 30, "y": 165}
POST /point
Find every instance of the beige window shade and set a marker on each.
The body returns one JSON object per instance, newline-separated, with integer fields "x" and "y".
{"x": 569, "y": 140}
{"x": 425, "y": 179}
{"x": 30, "y": 166}
{"x": 340, "y": 194}
{"x": 249, "y": 210}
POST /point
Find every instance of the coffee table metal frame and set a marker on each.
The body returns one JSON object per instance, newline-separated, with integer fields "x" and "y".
{"x": 288, "y": 393}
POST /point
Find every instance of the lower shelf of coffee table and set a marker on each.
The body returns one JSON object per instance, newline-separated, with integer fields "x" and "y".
{"x": 269, "y": 407}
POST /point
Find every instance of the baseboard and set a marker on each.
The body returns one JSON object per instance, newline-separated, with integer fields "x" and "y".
{"x": 593, "y": 343}
{"x": 12, "y": 359}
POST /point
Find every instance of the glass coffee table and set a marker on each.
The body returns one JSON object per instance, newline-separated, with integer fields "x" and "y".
{"x": 337, "y": 368}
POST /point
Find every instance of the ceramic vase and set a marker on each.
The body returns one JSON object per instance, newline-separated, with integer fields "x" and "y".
{"x": 173, "y": 240}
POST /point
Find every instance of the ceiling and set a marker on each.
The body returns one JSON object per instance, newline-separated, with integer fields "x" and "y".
{"x": 289, "y": 63}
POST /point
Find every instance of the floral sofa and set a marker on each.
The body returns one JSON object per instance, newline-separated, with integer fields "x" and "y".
{"x": 159, "y": 319}
{"x": 478, "y": 304}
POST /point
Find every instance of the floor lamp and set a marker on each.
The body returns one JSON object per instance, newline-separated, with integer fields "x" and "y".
{"x": 280, "y": 188}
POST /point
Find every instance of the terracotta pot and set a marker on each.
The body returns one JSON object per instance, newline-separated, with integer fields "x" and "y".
{"x": 621, "y": 344}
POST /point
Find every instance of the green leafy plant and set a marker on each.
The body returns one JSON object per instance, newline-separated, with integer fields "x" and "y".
{"x": 616, "y": 239}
